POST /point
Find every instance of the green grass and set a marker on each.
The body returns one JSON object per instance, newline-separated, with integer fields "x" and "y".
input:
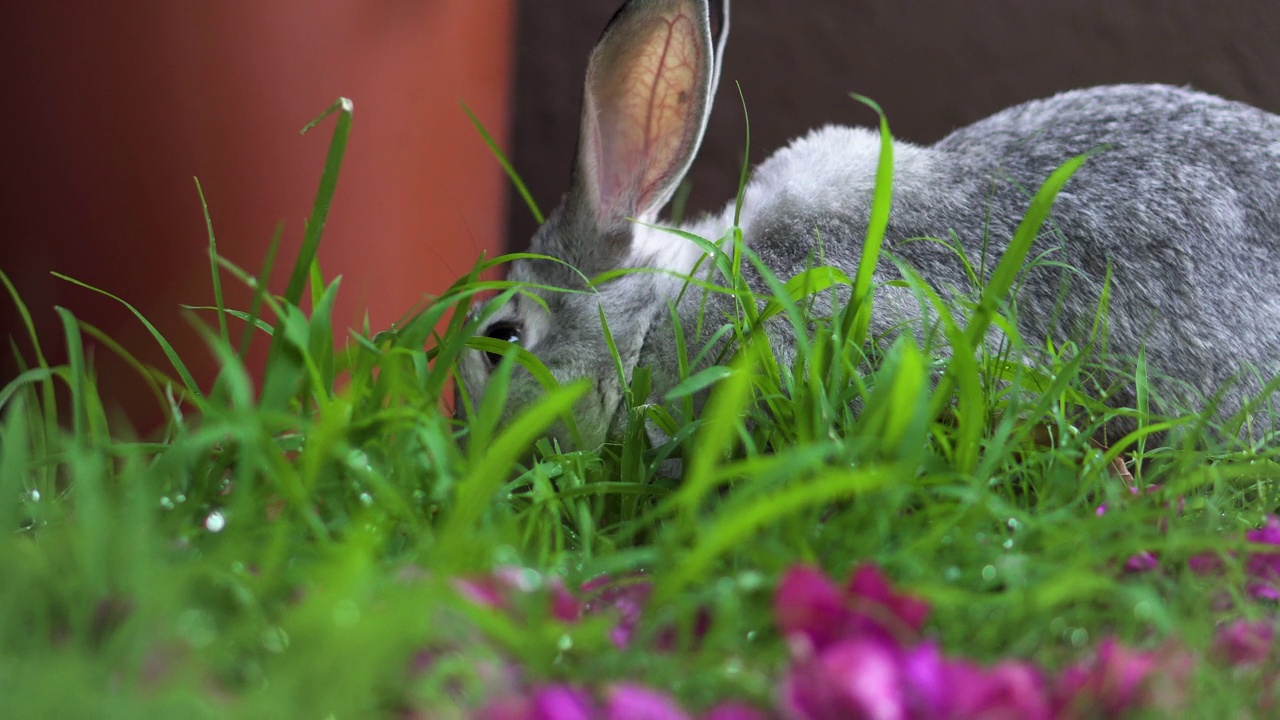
{"x": 287, "y": 549}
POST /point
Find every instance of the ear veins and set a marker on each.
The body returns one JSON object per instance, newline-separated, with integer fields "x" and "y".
{"x": 643, "y": 116}
{"x": 666, "y": 122}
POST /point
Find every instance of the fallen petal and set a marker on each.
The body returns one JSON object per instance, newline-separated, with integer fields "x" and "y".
{"x": 626, "y": 701}
{"x": 1244, "y": 642}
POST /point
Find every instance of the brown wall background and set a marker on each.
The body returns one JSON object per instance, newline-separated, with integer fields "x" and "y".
{"x": 112, "y": 108}
{"x": 932, "y": 66}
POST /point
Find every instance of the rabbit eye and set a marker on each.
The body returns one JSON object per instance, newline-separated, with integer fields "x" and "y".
{"x": 504, "y": 331}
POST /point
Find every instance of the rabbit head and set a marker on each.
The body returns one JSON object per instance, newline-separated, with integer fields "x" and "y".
{"x": 649, "y": 86}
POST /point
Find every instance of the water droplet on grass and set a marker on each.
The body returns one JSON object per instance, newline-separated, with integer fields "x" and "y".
{"x": 989, "y": 573}
{"x": 215, "y": 522}
{"x": 1143, "y": 611}
{"x": 366, "y": 499}
{"x": 34, "y": 495}
{"x": 166, "y": 503}
{"x": 1079, "y": 637}
{"x": 275, "y": 640}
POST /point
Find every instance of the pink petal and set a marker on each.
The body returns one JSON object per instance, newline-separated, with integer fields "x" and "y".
{"x": 869, "y": 583}
{"x": 1144, "y": 561}
{"x": 626, "y": 701}
{"x": 625, "y": 598}
{"x": 561, "y": 702}
{"x": 1122, "y": 671}
{"x": 1205, "y": 564}
{"x": 1008, "y": 691}
{"x": 484, "y": 591}
{"x": 1268, "y": 534}
{"x": 858, "y": 679}
{"x": 1119, "y": 680}
{"x": 1265, "y": 566}
{"x": 809, "y": 604}
{"x": 928, "y": 690}
{"x": 1244, "y": 642}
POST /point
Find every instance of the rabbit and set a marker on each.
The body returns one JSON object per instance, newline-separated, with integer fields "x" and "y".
{"x": 1181, "y": 205}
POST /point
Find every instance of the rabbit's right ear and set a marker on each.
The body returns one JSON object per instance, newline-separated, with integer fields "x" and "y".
{"x": 648, "y": 95}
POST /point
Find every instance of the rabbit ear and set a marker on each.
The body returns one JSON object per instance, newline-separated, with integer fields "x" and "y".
{"x": 648, "y": 95}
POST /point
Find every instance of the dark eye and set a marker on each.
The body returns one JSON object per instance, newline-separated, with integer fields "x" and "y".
{"x": 504, "y": 331}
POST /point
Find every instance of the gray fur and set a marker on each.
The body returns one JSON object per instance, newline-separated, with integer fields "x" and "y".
{"x": 1184, "y": 206}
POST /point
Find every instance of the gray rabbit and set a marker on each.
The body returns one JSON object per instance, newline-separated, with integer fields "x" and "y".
{"x": 1182, "y": 205}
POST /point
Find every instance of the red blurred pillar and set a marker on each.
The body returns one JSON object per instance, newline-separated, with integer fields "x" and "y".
{"x": 114, "y": 107}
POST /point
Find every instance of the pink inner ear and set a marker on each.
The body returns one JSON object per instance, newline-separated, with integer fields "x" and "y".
{"x": 645, "y": 111}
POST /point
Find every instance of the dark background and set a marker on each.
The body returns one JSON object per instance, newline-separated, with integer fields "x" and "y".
{"x": 932, "y": 66}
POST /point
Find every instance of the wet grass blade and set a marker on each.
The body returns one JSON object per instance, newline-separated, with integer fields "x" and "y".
{"x": 188, "y": 382}
{"x": 213, "y": 265}
{"x": 507, "y": 167}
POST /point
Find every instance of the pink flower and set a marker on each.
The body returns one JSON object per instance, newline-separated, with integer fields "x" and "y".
{"x": 626, "y": 701}
{"x": 852, "y": 679}
{"x": 1264, "y": 567}
{"x": 561, "y": 702}
{"x": 1144, "y": 561}
{"x": 1268, "y": 534}
{"x": 1203, "y": 564}
{"x": 1008, "y": 691}
{"x": 809, "y": 605}
{"x": 625, "y": 598}
{"x": 497, "y": 589}
{"x": 869, "y": 583}
{"x": 1119, "y": 680}
{"x": 1244, "y": 643}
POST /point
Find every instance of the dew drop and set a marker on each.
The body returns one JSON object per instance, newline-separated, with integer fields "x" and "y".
{"x": 34, "y": 495}
{"x": 1079, "y": 637}
{"x": 952, "y": 573}
{"x": 1007, "y": 544}
{"x": 275, "y": 640}
{"x": 1143, "y": 611}
{"x": 166, "y": 503}
{"x": 215, "y": 522}
{"x": 358, "y": 460}
{"x": 565, "y": 643}
{"x": 989, "y": 573}
{"x": 366, "y": 499}
{"x": 1014, "y": 524}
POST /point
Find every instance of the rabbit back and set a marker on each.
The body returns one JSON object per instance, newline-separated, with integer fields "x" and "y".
{"x": 1180, "y": 203}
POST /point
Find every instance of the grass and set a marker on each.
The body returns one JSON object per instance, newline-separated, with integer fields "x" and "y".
{"x": 293, "y": 549}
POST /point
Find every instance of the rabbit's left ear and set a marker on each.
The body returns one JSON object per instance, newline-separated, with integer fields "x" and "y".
{"x": 649, "y": 88}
